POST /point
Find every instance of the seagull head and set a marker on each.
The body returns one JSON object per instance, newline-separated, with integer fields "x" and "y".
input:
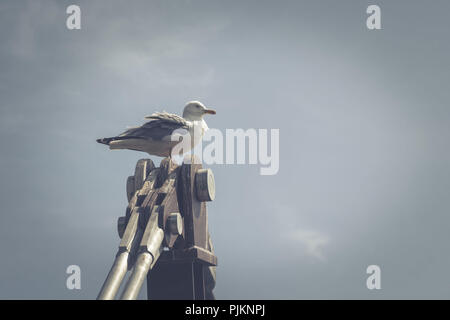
{"x": 195, "y": 110}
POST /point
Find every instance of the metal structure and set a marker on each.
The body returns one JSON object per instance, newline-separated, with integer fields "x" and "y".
{"x": 164, "y": 234}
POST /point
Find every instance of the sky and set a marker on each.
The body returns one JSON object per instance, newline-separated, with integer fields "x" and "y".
{"x": 363, "y": 117}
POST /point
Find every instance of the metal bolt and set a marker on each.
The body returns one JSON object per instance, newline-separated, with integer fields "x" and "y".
{"x": 121, "y": 225}
{"x": 205, "y": 185}
{"x": 130, "y": 187}
{"x": 175, "y": 223}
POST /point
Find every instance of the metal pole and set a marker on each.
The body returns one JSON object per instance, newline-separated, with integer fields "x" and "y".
{"x": 150, "y": 250}
{"x": 115, "y": 277}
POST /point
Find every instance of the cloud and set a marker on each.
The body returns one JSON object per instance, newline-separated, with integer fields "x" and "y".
{"x": 313, "y": 242}
{"x": 300, "y": 236}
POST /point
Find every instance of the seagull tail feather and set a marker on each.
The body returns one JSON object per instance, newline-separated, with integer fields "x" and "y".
{"x": 105, "y": 140}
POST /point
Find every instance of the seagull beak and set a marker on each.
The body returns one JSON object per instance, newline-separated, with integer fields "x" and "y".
{"x": 210, "y": 111}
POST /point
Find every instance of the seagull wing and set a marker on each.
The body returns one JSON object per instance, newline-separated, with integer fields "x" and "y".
{"x": 169, "y": 117}
{"x": 159, "y": 128}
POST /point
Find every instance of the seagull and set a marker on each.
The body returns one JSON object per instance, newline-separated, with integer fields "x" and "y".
{"x": 154, "y": 136}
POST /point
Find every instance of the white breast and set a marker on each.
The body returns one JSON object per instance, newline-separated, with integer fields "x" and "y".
{"x": 198, "y": 129}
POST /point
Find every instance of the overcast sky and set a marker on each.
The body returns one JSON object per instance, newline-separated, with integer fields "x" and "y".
{"x": 364, "y": 122}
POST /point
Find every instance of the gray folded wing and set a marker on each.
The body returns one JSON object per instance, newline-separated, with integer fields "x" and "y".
{"x": 158, "y": 128}
{"x": 154, "y": 134}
